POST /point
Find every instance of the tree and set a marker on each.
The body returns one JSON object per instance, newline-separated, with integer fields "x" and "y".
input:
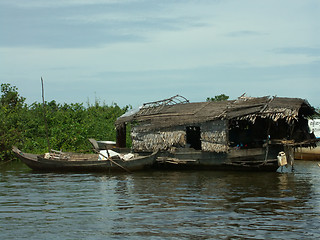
{"x": 11, "y": 107}
{"x": 10, "y": 97}
{"x": 218, "y": 98}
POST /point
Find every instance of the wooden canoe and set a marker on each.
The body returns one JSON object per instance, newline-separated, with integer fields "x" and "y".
{"x": 85, "y": 162}
{"x": 308, "y": 153}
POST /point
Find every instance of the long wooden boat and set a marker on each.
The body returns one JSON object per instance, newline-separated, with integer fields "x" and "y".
{"x": 73, "y": 162}
{"x": 308, "y": 153}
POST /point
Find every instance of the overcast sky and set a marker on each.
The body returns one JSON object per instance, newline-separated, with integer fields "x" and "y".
{"x": 136, "y": 51}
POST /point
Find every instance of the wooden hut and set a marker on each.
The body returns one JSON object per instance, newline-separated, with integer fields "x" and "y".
{"x": 247, "y": 133}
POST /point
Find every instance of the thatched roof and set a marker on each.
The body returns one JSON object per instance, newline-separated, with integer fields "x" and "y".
{"x": 161, "y": 116}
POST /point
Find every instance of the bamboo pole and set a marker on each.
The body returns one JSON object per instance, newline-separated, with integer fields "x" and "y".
{"x": 44, "y": 116}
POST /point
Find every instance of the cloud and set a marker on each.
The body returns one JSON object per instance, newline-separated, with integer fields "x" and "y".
{"x": 244, "y": 33}
{"x": 308, "y": 51}
{"x": 60, "y": 3}
{"x": 87, "y": 23}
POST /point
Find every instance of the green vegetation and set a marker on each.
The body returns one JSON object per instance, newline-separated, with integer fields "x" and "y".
{"x": 218, "y": 98}
{"x": 69, "y": 125}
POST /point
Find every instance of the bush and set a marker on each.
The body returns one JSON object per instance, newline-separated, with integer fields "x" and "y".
{"x": 69, "y": 125}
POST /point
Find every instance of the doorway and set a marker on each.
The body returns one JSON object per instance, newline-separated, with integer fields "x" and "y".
{"x": 193, "y": 136}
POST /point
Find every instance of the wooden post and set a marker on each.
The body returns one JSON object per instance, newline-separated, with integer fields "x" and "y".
{"x": 268, "y": 139}
{"x": 121, "y": 135}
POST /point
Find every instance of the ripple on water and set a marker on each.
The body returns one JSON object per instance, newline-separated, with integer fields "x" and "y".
{"x": 159, "y": 205}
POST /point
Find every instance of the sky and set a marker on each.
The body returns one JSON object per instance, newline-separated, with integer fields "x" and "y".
{"x": 130, "y": 52}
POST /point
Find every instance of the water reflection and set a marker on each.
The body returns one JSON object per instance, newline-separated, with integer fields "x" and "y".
{"x": 159, "y": 205}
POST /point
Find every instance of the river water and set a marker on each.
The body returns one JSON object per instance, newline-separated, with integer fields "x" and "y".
{"x": 160, "y": 204}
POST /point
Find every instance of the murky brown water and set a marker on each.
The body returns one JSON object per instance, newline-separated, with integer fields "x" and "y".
{"x": 160, "y": 205}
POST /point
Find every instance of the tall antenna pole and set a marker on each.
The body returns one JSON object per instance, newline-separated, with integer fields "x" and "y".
{"x": 44, "y": 116}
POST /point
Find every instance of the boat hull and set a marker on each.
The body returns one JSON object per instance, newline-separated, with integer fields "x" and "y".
{"x": 39, "y": 163}
{"x": 234, "y": 160}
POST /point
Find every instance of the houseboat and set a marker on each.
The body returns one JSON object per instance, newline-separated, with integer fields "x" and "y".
{"x": 248, "y": 133}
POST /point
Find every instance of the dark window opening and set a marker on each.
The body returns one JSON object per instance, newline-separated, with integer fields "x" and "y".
{"x": 244, "y": 134}
{"x": 194, "y": 137}
{"x": 121, "y": 136}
